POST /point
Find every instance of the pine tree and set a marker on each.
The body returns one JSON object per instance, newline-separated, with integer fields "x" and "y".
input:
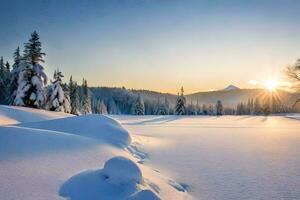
{"x": 102, "y": 108}
{"x": 210, "y": 110}
{"x": 180, "y": 104}
{"x": 55, "y": 96}
{"x": 219, "y": 108}
{"x": 139, "y": 107}
{"x": 112, "y": 107}
{"x": 16, "y": 69}
{"x": 162, "y": 108}
{"x": 86, "y": 99}
{"x": 2, "y": 81}
{"x": 204, "y": 110}
{"x": 257, "y": 107}
{"x": 33, "y": 50}
{"x": 74, "y": 97}
{"x": 32, "y": 78}
{"x": 67, "y": 99}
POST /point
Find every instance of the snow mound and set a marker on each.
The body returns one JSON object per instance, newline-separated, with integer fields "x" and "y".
{"x": 121, "y": 170}
{"x": 98, "y": 127}
{"x": 120, "y": 178}
{"x": 19, "y": 141}
{"x": 14, "y": 115}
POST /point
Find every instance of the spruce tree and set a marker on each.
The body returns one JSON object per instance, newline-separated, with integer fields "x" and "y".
{"x": 32, "y": 78}
{"x": 219, "y": 108}
{"x": 139, "y": 107}
{"x": 74, "y": 97}
{"x": 33, "y": 50}
{"x": 55, "y": 96}
{"x": 16, "y": 68}
{"x": 86, "y": 99}
{"x": 102, "y": 108}
{"x": 180, "y": 104}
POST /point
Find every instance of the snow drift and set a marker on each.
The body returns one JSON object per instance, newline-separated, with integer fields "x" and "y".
{"x": 97, "y": 127}
{"x": 121, "y": 178}
{"x": 15, "y": 114}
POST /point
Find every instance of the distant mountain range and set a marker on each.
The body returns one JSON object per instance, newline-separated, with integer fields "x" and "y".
{"x": 230, "y": 96}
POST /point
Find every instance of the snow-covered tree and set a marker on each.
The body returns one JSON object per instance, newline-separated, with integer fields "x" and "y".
{"x": 32, "y": 77}
{"x": 162, "y": 108}
{"x": 86, "y": 107}
{"x": 112, "y": 107}
{"x": 180, "y": 104}
{"x": 55, "y": 95}
{"x": 67, "y": 100}
{"x": 74, "y": 97}
{"x": 139, "y": 107}
{"x": 102, "y": 108}
{"x": 16, "y": 69}
{"x": 219, "y": 108}
{"x": 3, "y": 82}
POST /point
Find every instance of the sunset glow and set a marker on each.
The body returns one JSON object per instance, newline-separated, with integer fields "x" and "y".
{"x": 271, "y": 84}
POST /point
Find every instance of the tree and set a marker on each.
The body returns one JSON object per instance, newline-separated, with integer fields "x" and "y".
{"x": 219, "y": 108}
{"x": 162, "y": 108}
{"x": 55, "y": 96}
{"x": 204, "y": 110}
{"x": 257, "y": 107}
{"x": 112, "y": 107}
{"x": 86, "y": 107}
{"x": 293, "y": 72}
{"x": 74, "y": 97}
{"x": 16, "y": 69}
{"x": 102, "y": 108}
{"x": 33, "y": 50}
{"x": 3, "y": 82}
{"x": 180, "y": 104}
{"x": 67, "y": 99}
{"x": 139, "y": 107}
{"x": 32, "y": 78}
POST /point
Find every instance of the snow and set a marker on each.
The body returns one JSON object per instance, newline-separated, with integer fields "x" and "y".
{"x": 231, "y": 87}
{"x": 228, "y": 157}
{"x": 16, "y": 114}
{"x": 49, "y": 155}
{"x": 97, "y": 127}
{"x": 120, "y": 170}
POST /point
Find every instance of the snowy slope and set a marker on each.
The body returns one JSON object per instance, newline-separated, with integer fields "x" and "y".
{"x": 78, "y": 158}
{"x": 13, "y": 115}
{"x": 228, "y": 157}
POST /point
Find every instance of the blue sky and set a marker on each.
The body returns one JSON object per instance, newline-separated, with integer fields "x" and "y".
{"x": 158, "y": 45}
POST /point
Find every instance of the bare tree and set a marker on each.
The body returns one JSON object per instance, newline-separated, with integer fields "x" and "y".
{"x": 293, "y": 72}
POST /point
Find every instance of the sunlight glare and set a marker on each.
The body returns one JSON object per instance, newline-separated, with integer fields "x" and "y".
{"x": 271, "y": 84}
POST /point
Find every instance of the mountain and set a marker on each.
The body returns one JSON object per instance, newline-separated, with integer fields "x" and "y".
{"x": 231, "y": 87}
{"x": 232, "y": 97}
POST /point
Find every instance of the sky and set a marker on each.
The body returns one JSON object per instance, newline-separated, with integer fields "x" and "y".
{"x": 158, "y": 45}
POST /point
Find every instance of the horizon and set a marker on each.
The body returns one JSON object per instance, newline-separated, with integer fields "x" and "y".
{"x": 159, "y": 45}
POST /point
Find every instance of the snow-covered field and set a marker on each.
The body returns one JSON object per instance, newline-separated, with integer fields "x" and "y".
{"x": 228, "y": 157}
{"x": 47, "y": 155}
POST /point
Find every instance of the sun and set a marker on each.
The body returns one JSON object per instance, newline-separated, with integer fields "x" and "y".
{"x": 271, "y": 84}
